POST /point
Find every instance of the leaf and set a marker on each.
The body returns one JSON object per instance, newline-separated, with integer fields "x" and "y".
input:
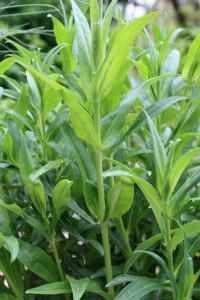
{"x": 120, "y": 198}
{"x": 191, "y": 59}
{"x": 62, "y": 35}
{"x": 175, "y": 203}
{"x": 160, "y": 156}
{"x": 84, "y": 44}
{"x": 78, "y": 286}
{"x": 63, "y": 287}
{"x": 186, "y": 230}
{"x": 76, "y": 208}
{"x": 37, "y": 261}
{"x": 159, "y": 259}
{"x": 12, "y": 245}
{"x": 56, "y": 288}
{"x": 178, "y": 169}
{"x": 5, "y": 296}
{"x": 95, "y": 244}
{"x": 120, "y": 279}
{"x": 146, "y": 244}
{"x": 51, "y": 165}
{"x": 13, "y": 208}
{"x": 147, "y": 189}
{"x": 21, "y": 106}
{"x": 81, "y": 154}
{"x": 140, "y": 287}
{"x": 84, "y": 128}
{"x": 6, "y": 64}
{"x": 117, "y": 55}
{"x": 61, "y": 196}
{"x": 113, "y": 123}
{"x": 153, "y": 111}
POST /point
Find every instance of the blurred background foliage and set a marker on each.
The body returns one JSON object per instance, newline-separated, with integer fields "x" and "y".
{"x": 27, "y": 20}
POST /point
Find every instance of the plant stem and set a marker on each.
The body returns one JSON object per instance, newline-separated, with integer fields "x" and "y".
{"x": 124, "y": 234}
{"x": 57, "y": 260}
{"x": 101, "y": 201}
{"x": 170, "y": 257}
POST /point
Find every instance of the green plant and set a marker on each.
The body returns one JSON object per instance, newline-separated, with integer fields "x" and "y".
{"x": 99, "y": 168}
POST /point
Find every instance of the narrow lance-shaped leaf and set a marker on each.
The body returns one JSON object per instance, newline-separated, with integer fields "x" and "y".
{"x": 117, "y": 55}
{"x": 160, "y": 156}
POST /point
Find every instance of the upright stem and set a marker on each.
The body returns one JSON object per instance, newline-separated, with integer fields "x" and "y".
{"x": 101, "y": 201}
{"x": 170, "y": 258}
{"x": 58, "y": 263}
{"x": 124, "y": 234}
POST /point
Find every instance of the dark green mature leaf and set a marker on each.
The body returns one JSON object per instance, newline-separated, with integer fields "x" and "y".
{"x": 139, "y": 287}
{"x": 37, "y": 261}
{"x": 56, "y": 288}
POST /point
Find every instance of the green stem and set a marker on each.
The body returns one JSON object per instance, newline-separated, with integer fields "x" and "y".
{"x": 124, "y": 234}
{"x": 101, "y": 202}
{"x": 58, "y": 264}
{"x": 170, "y": 258}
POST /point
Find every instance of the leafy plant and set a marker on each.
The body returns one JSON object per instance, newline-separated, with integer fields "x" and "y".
{"x": 99, "y": 194}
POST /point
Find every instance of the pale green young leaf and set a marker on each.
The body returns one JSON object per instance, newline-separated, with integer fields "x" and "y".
{"x": 191, "y": 59}
{"x": 147, "y": 189}
{"x": 84, "y": 44}
{"x": 6, "y": 64}
{"x": 120, "y": 198}
{"x": 178, "y": 169}
{"x": 160, "y": 156}
{"x": 61, "y": 196}
{"x": 62, "y": 35}
{"x": 117, "y": 55}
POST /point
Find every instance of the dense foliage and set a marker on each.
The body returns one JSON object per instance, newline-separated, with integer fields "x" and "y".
{"x": 99, "y": 162}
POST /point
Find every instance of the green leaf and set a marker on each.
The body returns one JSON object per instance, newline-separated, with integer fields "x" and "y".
{"x": 178, "y": 169}
{"x": 5, "y": 296}
{"x": 147, "y": 189}
{"x": 78, "y": 286}
{"x": 186, "y": 230}
{"x": 146, "y": 244}
{"x": 140, "y": 287}
{"x": 12, "y": 245}
{"x": 6, "y": 64}
{"x": 160, "y": 156}
{"x": 56, "y": 288}
{"x": 191, "y": 60}
{"x": 153, "y": 111}
{"x": 118, "y": 53}
{"x": 120, "y": 198}
{"x": 51, "y": 165}
{"x": 84, "y": 44}
{"x": 13, "y": 208}
{"x": 37, "y": 261}
{"x": 176, "y": 201}
{"x": 113, "y": 123}
{"x": 61, "y": 196}
{"x": 62, "y": 35}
